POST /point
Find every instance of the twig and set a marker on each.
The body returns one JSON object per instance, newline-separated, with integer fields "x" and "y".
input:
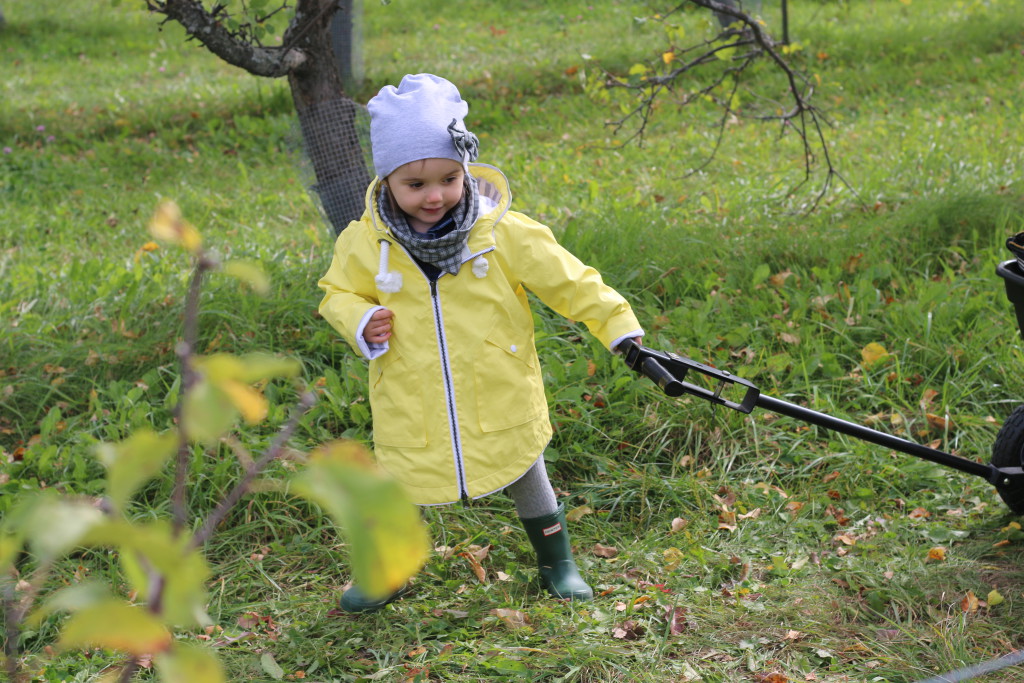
{"x": 189, "y": 377}
{"x": 14, "y": 613}
{"x": 129, "y": 671}
{"x": 242, "y": 487}
{"x": 12, "y": 632}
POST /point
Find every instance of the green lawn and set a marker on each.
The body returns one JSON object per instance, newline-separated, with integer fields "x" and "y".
{"x": 744, "y": 546}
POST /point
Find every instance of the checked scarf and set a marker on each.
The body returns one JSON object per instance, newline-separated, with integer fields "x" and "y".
{"x": 440, "y": 247}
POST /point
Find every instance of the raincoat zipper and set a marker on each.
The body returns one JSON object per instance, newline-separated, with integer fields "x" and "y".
{"x": 449, "y": 391}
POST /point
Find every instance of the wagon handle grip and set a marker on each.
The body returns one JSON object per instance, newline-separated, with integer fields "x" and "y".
{"x": 669, "y": 370}
{"x": 652, "y": 369}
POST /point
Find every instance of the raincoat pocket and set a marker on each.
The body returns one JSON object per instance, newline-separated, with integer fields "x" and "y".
{"x": 509, "y": 388}
{"x": 396, "y": 395}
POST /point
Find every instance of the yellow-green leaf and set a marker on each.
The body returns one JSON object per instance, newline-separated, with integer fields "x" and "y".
{"x": 151, "y": 551}
{"x": 10, "y": 546}
{"x": 872, "y": 354}
{"x": 189, "y": 664}
{"x": 725, "y": 53}
{"x": 248, "y": 368}
{"x": 74, "y": 598}
{"x": 994, "y": 598}
{"x": 673, "y": 558}
{"x": 168, "y": 225}
{"x": 134, "y": 461}
{"x": 251, "y": 403}
{"x": 577, "y": 513}
{"x": 56, "y": 526}
{"x": 13, "y": 527}
{"x": 118, "y": 626}
{"x": 271, "y": 667}
{"x": 387, "y": 539}
{"x": 250, "y": 273}
{"x": 207, "y": 413}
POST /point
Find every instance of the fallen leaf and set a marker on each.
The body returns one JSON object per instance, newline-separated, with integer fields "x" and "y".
{"x": 872, "y": 354}
{"x": 969, "y": 602}
{"x": 846, "y": 539}
{"x": 939, "y": 423}
{"x": 831, "y": 476}
{"x": 629, "y": 630}
{"x": 994, "y": 598}
{"x": 605, "y": 551}
{"x": 780, "y": 278}
{"x": 577, "y": 513}
{"x": 851, "y": 263}
{"x": 927, "y": 398}
{"x": 248, "y": 620}
{"x": 727, "y": 520}
{"x": 673, "y": 558}
{"x": 512, "y": 617}
{"x": 676, "y": 618}
{"x": 678, "y": 524}
{"x": 838, "y": 514}
{"x": 937, "y": 554}
{"x": 480, "y": 552}
{"x": 919, "y": 513}
{"x": 474, "y": 564}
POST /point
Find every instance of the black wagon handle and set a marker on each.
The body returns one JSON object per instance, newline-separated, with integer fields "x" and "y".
{"x": 669, "y": 371}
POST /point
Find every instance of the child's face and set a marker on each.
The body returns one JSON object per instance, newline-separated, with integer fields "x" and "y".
{"x": 426, "y": 190}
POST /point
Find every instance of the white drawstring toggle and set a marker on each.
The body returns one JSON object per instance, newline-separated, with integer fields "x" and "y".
{"x": 388, "y": 283}
{"x": 480, "y": 266}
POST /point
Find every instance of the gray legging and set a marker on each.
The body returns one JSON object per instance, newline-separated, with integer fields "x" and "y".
{"x": 532, "y": 492}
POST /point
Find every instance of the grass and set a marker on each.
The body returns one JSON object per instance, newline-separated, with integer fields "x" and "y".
{"x": 746, "y": 545}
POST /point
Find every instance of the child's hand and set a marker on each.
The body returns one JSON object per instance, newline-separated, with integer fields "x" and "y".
{"x": 378, "y": 329}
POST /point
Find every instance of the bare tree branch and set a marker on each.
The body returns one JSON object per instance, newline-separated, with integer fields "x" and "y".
{"x": 210, "y": 30}
{"x": 735, "y": 51}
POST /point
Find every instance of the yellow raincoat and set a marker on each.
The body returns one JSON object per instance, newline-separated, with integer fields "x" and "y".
{"x": 456, "y": 394}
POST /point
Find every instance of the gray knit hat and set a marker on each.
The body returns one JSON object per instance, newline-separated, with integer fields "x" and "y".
{"x": 420, "y": 119}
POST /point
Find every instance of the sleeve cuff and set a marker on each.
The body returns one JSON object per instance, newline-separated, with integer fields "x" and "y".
{"x": 370, "y": 351}
{"x": 614, "y": 346}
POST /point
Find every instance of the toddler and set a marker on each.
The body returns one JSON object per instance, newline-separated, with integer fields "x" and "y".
{"x": 430, "y": 285}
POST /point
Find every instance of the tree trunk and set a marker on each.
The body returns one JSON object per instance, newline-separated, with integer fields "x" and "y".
{"x": 328, "y": 120}
{"x": 326, "y": 116}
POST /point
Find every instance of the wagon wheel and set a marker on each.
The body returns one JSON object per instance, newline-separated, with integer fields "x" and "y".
{"x": 1008, "y": 451}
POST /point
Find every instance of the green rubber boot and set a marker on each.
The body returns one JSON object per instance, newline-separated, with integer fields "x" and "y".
{"x": 355, "y": 600}
{"x": 558, "y": 572}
